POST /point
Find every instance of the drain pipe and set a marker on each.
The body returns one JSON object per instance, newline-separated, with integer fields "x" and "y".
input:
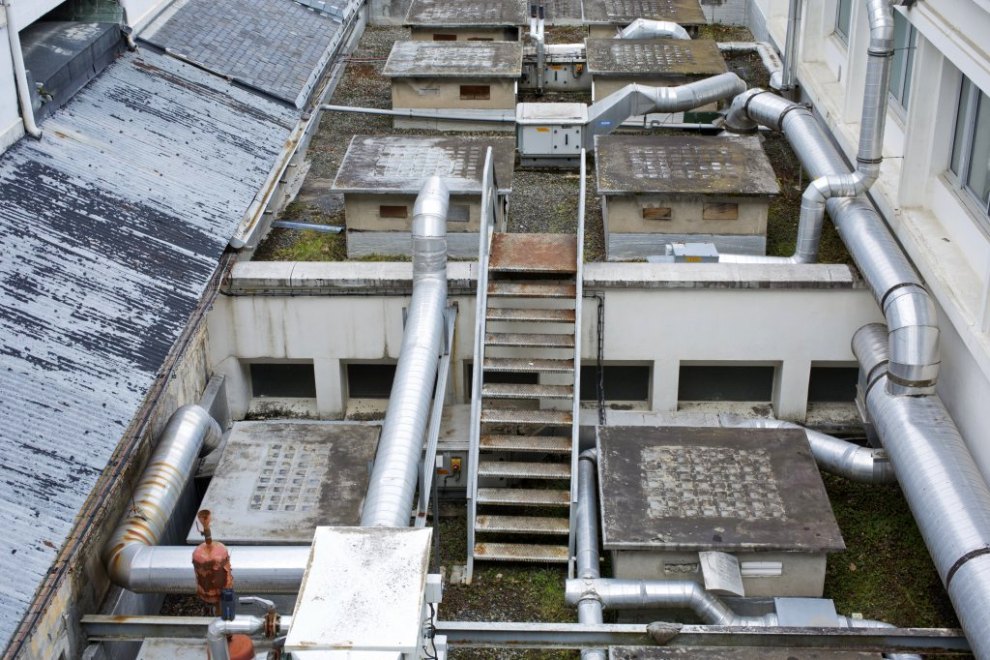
{"x": 834, "y": 455}
{"x": 586, "y": 544}
{"x": 393, "y": 480}
{"x": 941, "y": 483}
{"x": 20, "y": 73}
{"x": 790, "y": 46}
{"x": 644, "y": 28}
{"x": 837, "y": 182}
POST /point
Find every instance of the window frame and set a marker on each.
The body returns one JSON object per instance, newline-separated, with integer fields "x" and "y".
{"x": 905, "y": 53}
{"x": 968, "y": 108}
{"x": 473, "y": 92}
{"x": 842, "y": 31}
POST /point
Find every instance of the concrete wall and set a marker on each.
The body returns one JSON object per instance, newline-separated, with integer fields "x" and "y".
{"x": 624, "y": 213}
{"x": 655, "y": 314}
{"x": 445, "y": 93}
{"x": 388, "y": 12}
{"x": 728, "y": 12}
{"x": 362, "y": 212}
{"x": 465, "y": 34}
{"x": 943, "y": 232}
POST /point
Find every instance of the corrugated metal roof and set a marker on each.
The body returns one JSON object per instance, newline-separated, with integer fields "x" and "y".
{"x": 277, "y": 46}
{"x": 110, "y": 228}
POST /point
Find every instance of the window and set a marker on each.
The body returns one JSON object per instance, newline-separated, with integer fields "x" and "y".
{"x": 458, "y": 213}
{"x": 386, "y": 211}
{"x": 723, "y": 211}
{"x": 370, "y": 381}
{"x": 843, "y": 17}
{"x": 283, "y": 381}
{"x": 903, "y": 63}
{"x": 664, "y": 213}
{"x": 971, "y": 143}
{"x": 832, "y": 384}
{"x": 476, "y": 92}
{"x": 725, "y": 383}
{"x": 622, "y": 383}
{"x": 444, "y": 37}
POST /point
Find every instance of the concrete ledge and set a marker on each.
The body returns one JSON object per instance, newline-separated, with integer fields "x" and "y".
{"x": 395, "y": 278}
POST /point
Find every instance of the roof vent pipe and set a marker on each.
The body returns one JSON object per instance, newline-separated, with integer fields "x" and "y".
{"x": 941, "y": 482}
{"x": 394, "y": 477}
{"x": 839, "y": 182}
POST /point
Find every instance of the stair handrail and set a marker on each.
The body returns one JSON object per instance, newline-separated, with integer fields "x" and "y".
{"x": 576, "y": 404}
{"x": 489, "y": 197}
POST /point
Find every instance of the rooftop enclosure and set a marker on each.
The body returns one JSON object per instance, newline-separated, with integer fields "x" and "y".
{"x": 472, "y": 20}
{"x": 668, "y": 493}
{"x": 615, "y": 63}
{"x": 380, "y": 177}
{"x": 664, "y": 189}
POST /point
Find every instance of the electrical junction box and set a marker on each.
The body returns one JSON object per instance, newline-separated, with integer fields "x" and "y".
{"x": 550, "y": 133}
{"x": 694, "y": 253}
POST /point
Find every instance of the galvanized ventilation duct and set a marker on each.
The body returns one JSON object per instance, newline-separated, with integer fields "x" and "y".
{"x": 394, "y": 477}
{"x": 898, "y": 289}
{"x": 941, "y": 482}
{"x": 606, "y": 115}
{"x": 834, "y": 455}
{"x": 644, "y": 28}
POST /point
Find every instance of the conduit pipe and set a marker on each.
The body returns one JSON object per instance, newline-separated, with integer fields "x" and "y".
{"x": 394, "y": 477}
{"x": 838, "y": 182}
{"x": 941, "y": 482}
{"x": 586, "y": 543}
{"x": 20, "y": 73}
{"x": 644, "y": 28}
{"x": 896, "y": 286}
{"x": 606, "y": 115}
{"x": 834, "y": 455}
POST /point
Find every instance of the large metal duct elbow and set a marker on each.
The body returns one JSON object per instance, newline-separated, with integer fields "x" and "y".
{"x": 834, "y": 455}
{"x": 154, "y": 499}
{"x": 941, "y": 482}
{"x": 394, "y": 476}
{"x": 644, "y": 28}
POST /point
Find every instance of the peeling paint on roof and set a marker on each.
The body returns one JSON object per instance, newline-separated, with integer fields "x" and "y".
{"x": 110, "y": 229}
{"x": 401, "y": 164}
{"x": 455, "y": 59}
{"x": 465, "y": 13}
{"x": 277, "y": 46}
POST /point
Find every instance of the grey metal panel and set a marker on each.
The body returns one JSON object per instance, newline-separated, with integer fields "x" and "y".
{"x": 622, "y": 57}
{"x": 110, "y": 228}
{"x": 467, "y": 13}
{"x": 278, "y": 46}
{"x": 683, "y": 165}
{"x": 455, "y": 59}
{"x": 623, "y": 12}
{"x": 640, "y": 246}
{"x": 460, "y": 245}
{"x": 400, "y": 164}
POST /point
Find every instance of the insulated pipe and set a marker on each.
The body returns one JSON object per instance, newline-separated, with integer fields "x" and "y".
{"x": 393, "y": 480}
{"x": 157, "y": 493}
{"x": 604, "y": 116}
{"x": 586, "y": 542}
{"x": 644, "y": 28}
{"x": 834, "y": 455}
{"x": 942, "y": 484}
{"x": 20, "y": 73}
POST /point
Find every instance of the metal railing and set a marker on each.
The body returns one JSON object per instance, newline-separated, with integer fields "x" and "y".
{"x": 429, "y": 469}
{"x": 576, "y": 404}
{"x": 489, "y": 200}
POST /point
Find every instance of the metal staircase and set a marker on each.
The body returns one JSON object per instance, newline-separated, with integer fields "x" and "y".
{"x": 525, "y": 398}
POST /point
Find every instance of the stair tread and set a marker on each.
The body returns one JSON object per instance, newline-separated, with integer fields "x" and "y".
{"x": 524, "y": 365}
{"x": 526, "y": 391}
{"x": 524, "y": 470}
{"x": 510, "y": 416}
{"x": 549, "y": 444}
{"x": 532, "y": 289}
{"x": 521, "y": 552}
{"x": 524, "y": 496}
{"x": 533, "y": 253}
{"x": 522, "y": 524}
{"x": 536, "y": 339}
{"x": 527, "y": 314}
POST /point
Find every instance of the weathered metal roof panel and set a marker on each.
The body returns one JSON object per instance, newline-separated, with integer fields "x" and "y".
{"x": 624, "y": 12}
{"x": 465, "y": 13}
{"x": 401, "y": 164}
{"x": 110, "y": 229}
{"x": 683, "y": 165}
{"x": 454, "y": 59}
{"x": 278, "y": 46}
{"x": 622, "y": 57}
